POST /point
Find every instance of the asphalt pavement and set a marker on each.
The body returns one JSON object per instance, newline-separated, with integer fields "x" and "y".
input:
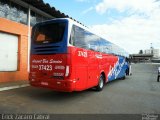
{"x": 137, "y": 94}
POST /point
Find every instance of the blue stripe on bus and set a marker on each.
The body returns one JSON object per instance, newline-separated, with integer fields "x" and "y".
{"x": 119, "y": 69}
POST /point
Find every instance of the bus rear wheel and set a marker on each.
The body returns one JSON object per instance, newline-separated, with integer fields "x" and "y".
{"x": 100, "y": 85}
{"x": 124, "y": 77}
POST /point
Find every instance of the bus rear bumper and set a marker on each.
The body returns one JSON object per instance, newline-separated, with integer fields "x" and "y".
{"x": 56, "y": 85}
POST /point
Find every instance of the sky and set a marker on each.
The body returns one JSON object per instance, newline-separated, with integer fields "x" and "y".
{"x": 131, "y": 24}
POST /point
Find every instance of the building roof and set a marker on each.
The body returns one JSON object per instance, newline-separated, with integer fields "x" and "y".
{"x": 141, "y": 55}
{"x": 40, "y": 4}
{"x": 46, "y": 8}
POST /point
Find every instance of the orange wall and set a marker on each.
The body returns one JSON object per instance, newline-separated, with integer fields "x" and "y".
{"x": 10, "y": 27}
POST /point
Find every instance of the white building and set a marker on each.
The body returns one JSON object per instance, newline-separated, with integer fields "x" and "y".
{"x": 155, "y": 52}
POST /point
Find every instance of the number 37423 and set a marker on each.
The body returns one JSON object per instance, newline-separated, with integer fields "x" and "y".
{"x": 45, "y": 67}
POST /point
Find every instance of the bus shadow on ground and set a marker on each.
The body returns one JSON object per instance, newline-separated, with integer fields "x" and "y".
{"x": 41, "y": 94}
{"x": 47, "y": 95}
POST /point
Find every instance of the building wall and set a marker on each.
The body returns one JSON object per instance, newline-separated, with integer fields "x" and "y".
{"x": 148, "y": 51}
{"x": 156, "y": 52}
{"x": 20, "y": 30}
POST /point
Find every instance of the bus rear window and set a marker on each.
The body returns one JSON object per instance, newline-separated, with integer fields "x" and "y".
{"x": 49, "y": 33}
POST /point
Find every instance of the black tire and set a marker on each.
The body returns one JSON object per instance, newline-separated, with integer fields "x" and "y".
{"x": 100, "y": 85}
{"x": 127, "y": 71}
{"x": 158, "y": 78}
{"x": 124, "y": 77}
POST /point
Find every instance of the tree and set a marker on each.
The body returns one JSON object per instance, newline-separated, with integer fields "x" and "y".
{"x": 141, "y": 52}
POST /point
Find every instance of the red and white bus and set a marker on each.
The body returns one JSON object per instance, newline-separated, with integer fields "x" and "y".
{"x": 66, "y": 56}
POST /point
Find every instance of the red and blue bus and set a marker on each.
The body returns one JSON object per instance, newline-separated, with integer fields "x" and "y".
{"x": 67, "y": 56}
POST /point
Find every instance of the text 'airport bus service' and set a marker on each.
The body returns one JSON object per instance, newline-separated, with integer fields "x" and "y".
{"x": 66, "y": 56}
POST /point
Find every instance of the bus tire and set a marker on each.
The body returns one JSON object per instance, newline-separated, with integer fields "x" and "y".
{"x": 127, "y": 71}
{"x": 124, "y": 77}
{"x": 100, "y": 85}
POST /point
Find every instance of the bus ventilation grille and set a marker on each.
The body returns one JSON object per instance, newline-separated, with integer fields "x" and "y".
{"x": 46, "y": 49}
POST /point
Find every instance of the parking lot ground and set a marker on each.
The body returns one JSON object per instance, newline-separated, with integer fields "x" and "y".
{"x": 137, "y": 94}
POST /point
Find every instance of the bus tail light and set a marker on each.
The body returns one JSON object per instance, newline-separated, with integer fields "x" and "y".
{"x": 67, "y": 71}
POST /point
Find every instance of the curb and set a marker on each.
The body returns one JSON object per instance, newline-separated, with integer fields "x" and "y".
{"x": 13, "y": 87}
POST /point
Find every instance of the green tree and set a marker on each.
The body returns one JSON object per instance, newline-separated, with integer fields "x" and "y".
{"x": 141, "y": 52}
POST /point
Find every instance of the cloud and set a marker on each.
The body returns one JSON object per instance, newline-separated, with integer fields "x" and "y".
{"x": 122, "y": 5}
{"x": 87, "y": 10}
{"x": 133, "y": 32}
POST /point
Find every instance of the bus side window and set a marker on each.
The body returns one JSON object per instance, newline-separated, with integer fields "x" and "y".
{"x": 92, "y": 41}
{"x": 72, "y": 36}
{"x": 77, "y": 37}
